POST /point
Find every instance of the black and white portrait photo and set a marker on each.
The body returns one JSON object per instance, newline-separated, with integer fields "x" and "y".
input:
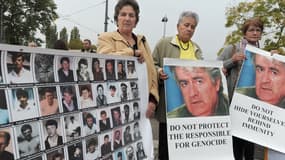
{"x": 65, "y": 71}
{"x": 72, "y": 126}
{"x": 28, "y": 138}
{"x": 44, "y": 68}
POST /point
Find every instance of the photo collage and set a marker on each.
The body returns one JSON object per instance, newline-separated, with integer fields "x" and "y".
{"x": 69, "y": 107}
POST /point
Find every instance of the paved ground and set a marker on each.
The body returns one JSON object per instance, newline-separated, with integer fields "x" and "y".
{"x": 258, "y": 149}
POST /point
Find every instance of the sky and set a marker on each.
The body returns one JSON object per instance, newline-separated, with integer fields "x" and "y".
{"x": 89, "y": 17}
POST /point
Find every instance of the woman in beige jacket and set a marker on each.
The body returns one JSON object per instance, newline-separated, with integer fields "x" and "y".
{"x": 125, "y": 42}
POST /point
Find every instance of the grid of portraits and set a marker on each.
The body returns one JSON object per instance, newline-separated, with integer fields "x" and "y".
{"x": 57, "y": 107}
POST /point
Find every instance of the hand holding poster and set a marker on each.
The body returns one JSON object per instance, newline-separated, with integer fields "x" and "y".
{"x": 198, "y": 123}
{"x": 256, "y": 110}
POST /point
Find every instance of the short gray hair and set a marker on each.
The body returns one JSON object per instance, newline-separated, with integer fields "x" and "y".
{"x": 188, "y": 14}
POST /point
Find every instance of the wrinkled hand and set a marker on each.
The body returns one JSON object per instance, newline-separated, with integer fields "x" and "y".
{"x": 150, "y": 110}
{"x": 139, "y": 54}
{"x": 161, "y": 74}
{"x": 238, "y": 57}
{"x": 274, "y": 52}
{"x": 225, "y": 71}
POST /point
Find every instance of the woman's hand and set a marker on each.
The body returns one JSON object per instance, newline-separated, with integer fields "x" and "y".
{"x": 150, "y": 110}
{"x": 139, "y": 54}
{"x": 238, "y": 57}
{"x": 161, "y": 74}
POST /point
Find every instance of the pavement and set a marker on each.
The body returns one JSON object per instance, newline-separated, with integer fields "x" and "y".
{"x": 259, "y": 150}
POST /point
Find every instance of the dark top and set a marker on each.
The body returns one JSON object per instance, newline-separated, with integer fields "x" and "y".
{"x": 127, "y": 138}
{"x": 63, "y": 78}
{"x": 105, "y": 148}
{"x": 74, "y": 103}
{"x": 117, "y": 145}
{"x": 98, "y": 76}
{"x": 104, "y": 126}
{"x": 122, "y": 75}
{"x": 110, "y": 76}
{"x": 59, "y": 142}
{"x": 5, "y": 155}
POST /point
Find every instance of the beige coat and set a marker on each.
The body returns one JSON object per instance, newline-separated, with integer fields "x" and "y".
{"x": 114, "y": 43}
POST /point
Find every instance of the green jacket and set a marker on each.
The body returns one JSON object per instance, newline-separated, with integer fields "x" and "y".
{"x": 222, "y": 109}
{"x": 167, "y": 48}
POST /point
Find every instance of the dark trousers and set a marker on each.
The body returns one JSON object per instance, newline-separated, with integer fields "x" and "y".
{"x": 162, "y": 147}
{"x": 243, "y": 148}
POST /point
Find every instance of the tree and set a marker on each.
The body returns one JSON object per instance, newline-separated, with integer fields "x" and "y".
{"x": 75, "y": 42}
{"x": 22, "y": 19}
{"x": 51, "y": 36}
{"x": 271, "y": 12}
{"x": 63, "y": 35}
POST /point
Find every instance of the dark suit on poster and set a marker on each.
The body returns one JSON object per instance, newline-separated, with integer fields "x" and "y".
{"x": 117, "y": 144}
{"x": 59, "y": 142}
{"x": 104, "y": 126}
{"x": 65, "y": 78}
{"x": 5, "y": 155}
{"x": 105, "y": 148}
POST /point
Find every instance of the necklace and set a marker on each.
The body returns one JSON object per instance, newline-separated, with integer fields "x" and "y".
{"x": 181, "y": 46}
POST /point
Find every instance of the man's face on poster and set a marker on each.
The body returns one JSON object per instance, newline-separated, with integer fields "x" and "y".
{"x": 85, "y": 94}
{"x": 51, "y": 130}
{"x": 92, "y": 148}
{"x": 19, "y": 62}
{"x": 65, "y": 65}
{"x": 89, "y": 121}
{"x": 109, "y": 67}
{"x": 23, "y": 101}
{"x": 67, "y": 97}
{"x": 270, "y": 79}
{"x": 49, "y": 97}
{"x": 199, "y": 91}
{"x": 27, "y": 134}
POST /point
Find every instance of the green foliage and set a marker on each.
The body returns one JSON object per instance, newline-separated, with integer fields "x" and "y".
{"x": 22, "y": 19}
{"x": 51, "y": 36}
{"x": 75, "y": 44}
{"x": 271, "y": 12}
{"x": 74, "y": 34}
{"x": 63, "y": 35}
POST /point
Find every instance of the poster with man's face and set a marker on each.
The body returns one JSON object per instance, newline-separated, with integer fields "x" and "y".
{"x": 19, "y": 68}
{"x": 196, "y": 103}
{"x": 258, "y": 102}
{"x": 23, "y": 103}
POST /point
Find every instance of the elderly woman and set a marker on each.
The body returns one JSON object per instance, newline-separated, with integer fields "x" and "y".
{"x": 178, "y": 46}
{"x": 233, "y": 56}
{"x": 125, "y": 42}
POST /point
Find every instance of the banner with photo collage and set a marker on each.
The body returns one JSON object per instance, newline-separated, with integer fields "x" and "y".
{"x": 198, "y": 121}
{"x": 68, "y": 105}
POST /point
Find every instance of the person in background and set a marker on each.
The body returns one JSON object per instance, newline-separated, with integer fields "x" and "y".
{"x": 178, "y": 46}
{"x": 32, "y": 44}
{"x": 87, "y": 46}
{"x": 124, "y": 42}
{"x": 233, "y": 56}
{"x": 60, "y": 44}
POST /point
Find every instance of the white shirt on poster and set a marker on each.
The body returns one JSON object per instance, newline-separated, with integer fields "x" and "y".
{"x": 24, "y": 76}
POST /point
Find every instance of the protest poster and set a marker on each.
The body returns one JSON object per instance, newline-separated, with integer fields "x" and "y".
{"x": 53, "y": 99}
{"x": 198, "y": 122}
{"x": 257, "y": 106}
